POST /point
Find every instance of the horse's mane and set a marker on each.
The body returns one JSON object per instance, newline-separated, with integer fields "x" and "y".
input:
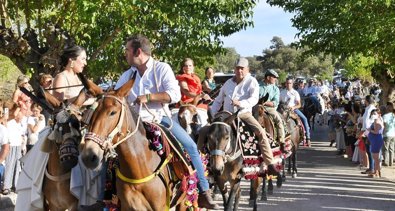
{"x": 221, "y": 116}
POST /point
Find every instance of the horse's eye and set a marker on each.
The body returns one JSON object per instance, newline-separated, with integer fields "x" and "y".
{"x": 113, "y": 113}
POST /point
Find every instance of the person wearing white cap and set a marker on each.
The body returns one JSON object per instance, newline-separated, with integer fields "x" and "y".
{"x": 242, "y": 93}
{"x": 269, "y": 88}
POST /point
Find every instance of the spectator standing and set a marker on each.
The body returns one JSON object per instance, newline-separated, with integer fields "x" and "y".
{"x": 4, "y": 144}
{"x": 389, "y": 135}
{"x": 22, "y": 100}
{"x": 369, "y": 102}
{"x": 16, "y": 140}
{"x": 375, "y": 138}
{"x": 35, "y": 123}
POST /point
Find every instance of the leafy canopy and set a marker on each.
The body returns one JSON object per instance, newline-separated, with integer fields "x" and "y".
{"x": 35, "y": 32}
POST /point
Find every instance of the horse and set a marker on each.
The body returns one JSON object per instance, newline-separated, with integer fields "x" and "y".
{"x": 60, "y": 142}
{"x": 191, "y": 118}
{"x": 310, "y": 110}
{"x": 296, "y": 135}
{"x": 226, "y": 162}
{"x": 258, "y": 111}
{"x": 144, "y": 179}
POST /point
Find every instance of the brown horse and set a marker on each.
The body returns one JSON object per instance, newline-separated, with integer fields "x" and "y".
{"x": 144, "y": 180}
{"x": 61, "y": 145}
{"x": 259, "y": 113}
{"x": 296, "y": 134}
{"x": 226, "y": 162}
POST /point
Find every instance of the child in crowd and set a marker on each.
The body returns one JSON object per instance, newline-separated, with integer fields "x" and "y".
{"x": 4, "y": 145}
{"x": 35, "y": 123}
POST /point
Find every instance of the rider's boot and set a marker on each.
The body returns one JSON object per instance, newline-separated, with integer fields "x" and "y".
{"x": 206, "y": 201}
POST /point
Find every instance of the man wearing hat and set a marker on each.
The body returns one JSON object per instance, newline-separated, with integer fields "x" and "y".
{"x": 268, "y": 87}
{"x": 313, "y": 92}
{"x": 242, "y": 93}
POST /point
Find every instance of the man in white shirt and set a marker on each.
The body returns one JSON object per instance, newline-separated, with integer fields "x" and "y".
{"x": 242, "y": 93}
{"x": 156, "y": 86}
{"x": 291, "y": 98}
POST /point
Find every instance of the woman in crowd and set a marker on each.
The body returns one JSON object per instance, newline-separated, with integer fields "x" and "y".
{"x": 375, "y": 138}
{"x": 22, "y": 100}
{"x": 389, "y": 135}
{"x": 208, "y": 82}
{"x": 45, "y": 81}
{"x": 351, "y": 128}
{"x": 191, "y": 88}
{"x": 16, "y": 142}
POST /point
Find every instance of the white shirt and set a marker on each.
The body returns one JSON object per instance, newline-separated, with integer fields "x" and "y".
{"x": 3, "y": 138}
{"x": 291, "y": 96}
{"x": 365, "y": 118}
{"x": 146, "y": 84}
{"x": 247, "y": 92}
{"x": 31, "y": 120}
{"x": 15, "y": 131}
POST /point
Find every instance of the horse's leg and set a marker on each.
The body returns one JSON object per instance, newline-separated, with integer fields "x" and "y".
{"x": 279, "y": 181}
{"x": 270, "y": 186}
{"x": 254, "y": 187}
{"x": 294, "y": 169}
{"x": 232, "y": 196}
{"x": 284, "y": 162}
{"x": 237, "y": 199}
{"x": 224, "y": 191}
{"x": 289, "y": 165}
{"x": 264, "y": 189}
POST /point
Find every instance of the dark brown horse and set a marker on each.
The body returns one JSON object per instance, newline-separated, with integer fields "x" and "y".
{"x": 295, "y": 130}
{"x": 263, "y": 118}
{"x": 143, "y": 180}
{"x": 226, "y": 161}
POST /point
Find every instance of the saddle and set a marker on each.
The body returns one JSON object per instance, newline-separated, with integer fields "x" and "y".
{"x": 164, "y": 142}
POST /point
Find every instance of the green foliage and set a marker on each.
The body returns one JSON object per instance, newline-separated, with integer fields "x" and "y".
{"x": 8, "y": 71}
{"x": 177, "y": 29}
{"x": 289, "y": 60}
{"x": 346, "y": 28}
{"x": 359, "y": 66}
{"x": 225, "y": 60}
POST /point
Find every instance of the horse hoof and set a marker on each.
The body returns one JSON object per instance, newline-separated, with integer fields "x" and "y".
{"x": 270, "y": 192}
{"x": 289, "y": 172}
{"x": 294, "y": 175}
{"x": 279, "y": 183}
{"x": 264, "y": 198}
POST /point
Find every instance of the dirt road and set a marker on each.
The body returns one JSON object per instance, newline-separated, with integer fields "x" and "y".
{"x": 325, "y": 182}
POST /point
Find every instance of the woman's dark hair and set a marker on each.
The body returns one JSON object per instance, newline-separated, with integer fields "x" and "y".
{"x": 357, "y": 108}
{"x": 373, "y": 111}
{"x": 71, "y": 52}
{"x": 348, "y": 107}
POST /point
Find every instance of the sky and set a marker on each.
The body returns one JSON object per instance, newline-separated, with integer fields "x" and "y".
{"x": 268, "y": 22}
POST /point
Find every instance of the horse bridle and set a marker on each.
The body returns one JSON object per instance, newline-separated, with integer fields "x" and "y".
{"x": 225, "y": 153}
{"x": 105, "y": 143}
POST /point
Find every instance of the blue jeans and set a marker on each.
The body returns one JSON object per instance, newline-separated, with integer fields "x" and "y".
{"x": 304, "y": 121}
{"x": 190, "y": 146}
{"x": 2, "y": 170}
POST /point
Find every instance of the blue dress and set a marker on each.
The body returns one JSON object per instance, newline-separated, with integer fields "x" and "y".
{"x": 376, "y": 140}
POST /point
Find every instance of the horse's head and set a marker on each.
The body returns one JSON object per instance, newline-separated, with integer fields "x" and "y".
{"x": 221, "y": 141}
{"x": 108, "y": 124}
{"x": 187, "y": 117}
{"x": 284, "y": 110}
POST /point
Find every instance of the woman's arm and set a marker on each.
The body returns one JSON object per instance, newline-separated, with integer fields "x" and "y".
{"x": 185, "y": 90}
{"x": 59, "y": 81}
{"x": 206, "y": 87}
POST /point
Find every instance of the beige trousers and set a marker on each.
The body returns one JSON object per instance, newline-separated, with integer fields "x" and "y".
{"x": 278, "y": 122}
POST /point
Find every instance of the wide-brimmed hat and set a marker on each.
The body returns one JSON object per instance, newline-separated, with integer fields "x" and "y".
{"x": 271, "y": 72}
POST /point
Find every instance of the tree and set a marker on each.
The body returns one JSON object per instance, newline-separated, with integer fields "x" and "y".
{"x": 348, "y": 28}
{"x": 225, "y": 61}
{"x": 33, "y": 33}
{"x": 288, "y": 60}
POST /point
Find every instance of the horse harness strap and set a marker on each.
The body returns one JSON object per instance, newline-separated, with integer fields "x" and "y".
{"x": 147, "y": 178}
{"x": 60, "y": 178}
{"x": 222, "y": 153}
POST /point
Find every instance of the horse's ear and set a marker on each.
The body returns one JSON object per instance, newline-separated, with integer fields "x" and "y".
{"x": 125, "y": 89}
{"x": 81, "y": 98}
{"x": 91, "y": 87}
{"x": 229, "y": 120}
{"x": 264, "y": 98}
